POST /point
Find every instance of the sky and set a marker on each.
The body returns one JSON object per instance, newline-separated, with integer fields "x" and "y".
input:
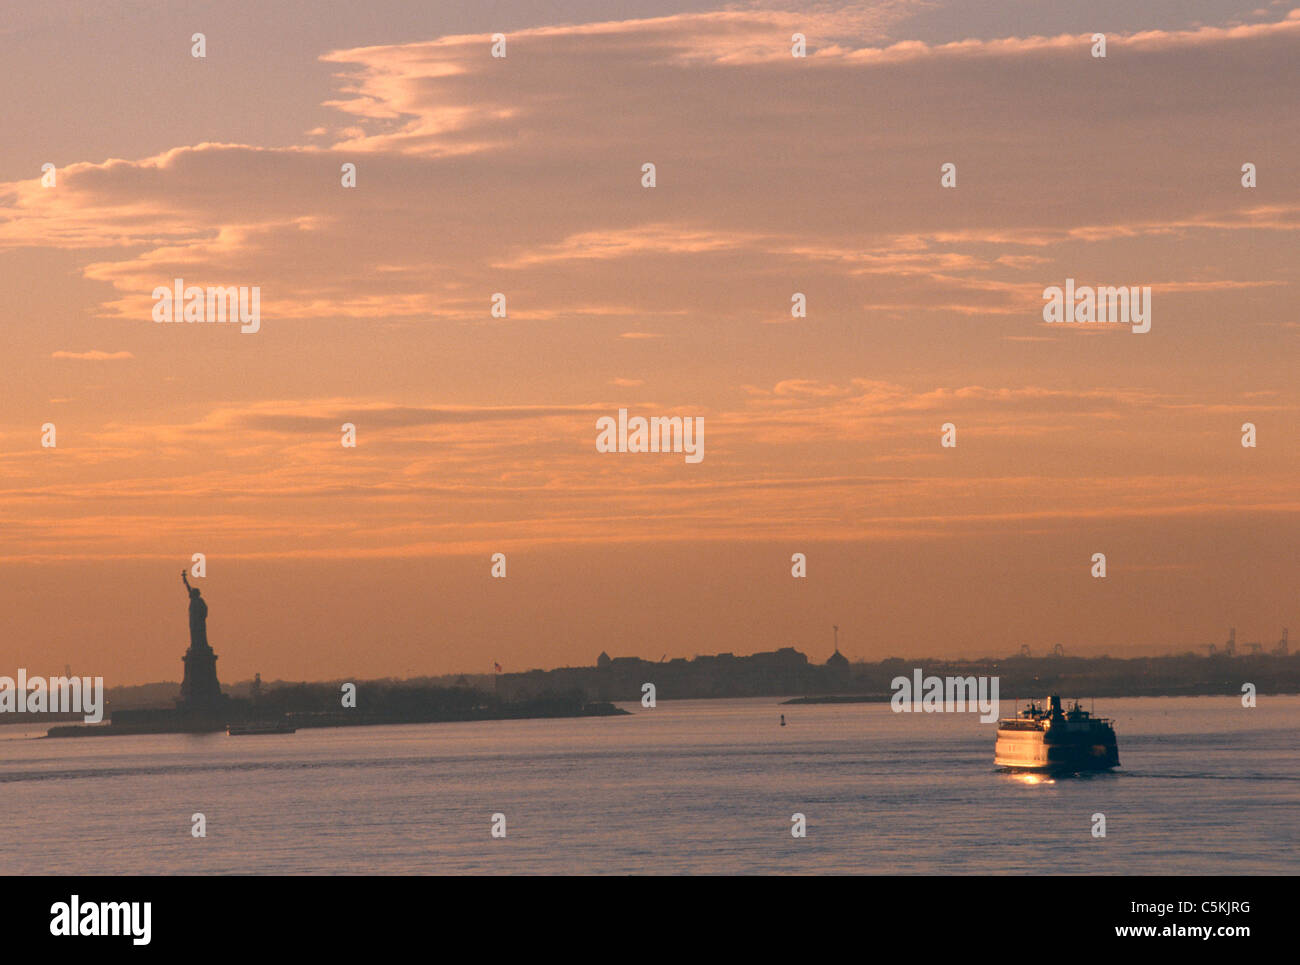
{"x": 523, "y": 175}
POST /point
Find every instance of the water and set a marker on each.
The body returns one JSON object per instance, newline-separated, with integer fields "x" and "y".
{"x": 1207, "y": 787}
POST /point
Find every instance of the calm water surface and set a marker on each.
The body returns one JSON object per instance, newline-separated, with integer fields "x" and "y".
{"x": 1206, "y": 787}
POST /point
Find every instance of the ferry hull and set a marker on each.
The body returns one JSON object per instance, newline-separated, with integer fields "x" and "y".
{"x": 1037, "y": 751}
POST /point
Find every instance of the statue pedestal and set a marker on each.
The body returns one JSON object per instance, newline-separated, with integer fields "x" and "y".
{"x": 201, "y": 694}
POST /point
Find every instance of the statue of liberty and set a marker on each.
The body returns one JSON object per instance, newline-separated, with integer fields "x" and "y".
{"x": 198, "y": 616}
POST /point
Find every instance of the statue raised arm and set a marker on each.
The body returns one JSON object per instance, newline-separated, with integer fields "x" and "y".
{"x": 198, "y": 615}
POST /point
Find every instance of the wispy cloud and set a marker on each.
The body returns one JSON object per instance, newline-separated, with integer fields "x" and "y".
{"x": 94, "y": 355}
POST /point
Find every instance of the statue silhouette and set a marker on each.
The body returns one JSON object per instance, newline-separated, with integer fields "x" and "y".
{"x": 201, "y": 698}
{"x": 198, "y": 615}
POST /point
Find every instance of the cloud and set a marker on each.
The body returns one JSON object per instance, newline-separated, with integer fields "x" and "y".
{"x": 802, "y": 457}
{"x": 750, "y": 146}
{"x": 775, "y": 175}
{"x": 95, "y": 355}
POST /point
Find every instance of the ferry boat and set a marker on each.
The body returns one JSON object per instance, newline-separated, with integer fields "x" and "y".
{"x": 1056, "y": 740}
{"x": 260, "y": 727}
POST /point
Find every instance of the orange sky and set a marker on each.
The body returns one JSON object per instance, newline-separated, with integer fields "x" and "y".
{"x": 477, "y": 434}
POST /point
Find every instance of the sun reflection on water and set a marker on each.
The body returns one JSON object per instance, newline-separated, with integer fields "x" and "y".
{"x": 1033, "y": 779}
